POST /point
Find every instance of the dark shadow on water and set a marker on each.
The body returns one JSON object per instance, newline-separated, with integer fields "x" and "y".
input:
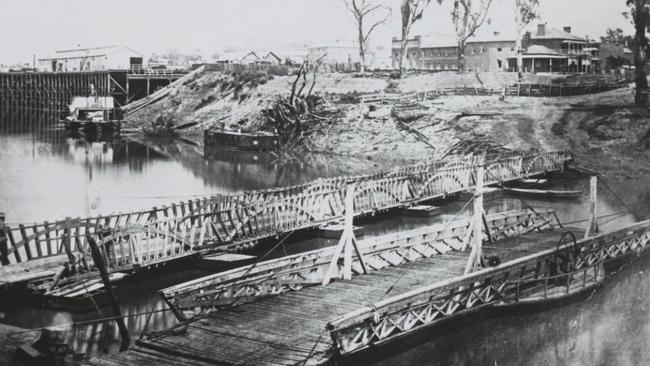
{"x": 608, "y": 326}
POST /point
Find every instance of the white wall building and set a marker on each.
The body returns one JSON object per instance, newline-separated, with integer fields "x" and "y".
{"x": 92, "y": 59}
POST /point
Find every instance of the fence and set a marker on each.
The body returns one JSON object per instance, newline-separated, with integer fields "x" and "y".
{"x": 521, "y": 90}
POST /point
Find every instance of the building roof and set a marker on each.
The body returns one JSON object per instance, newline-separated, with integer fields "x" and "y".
{"x": 335, "y": 44}
{"x": 450, "y": 41}
{"x": 236, "y": 55}
{"x": 540, "y": 50}
{"x": 87, "y": 52}
{"x": 555, "y": 33}
{"x": 297, "y": 54}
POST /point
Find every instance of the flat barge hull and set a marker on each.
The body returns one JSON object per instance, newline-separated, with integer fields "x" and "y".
{"x": 241, "y": 140}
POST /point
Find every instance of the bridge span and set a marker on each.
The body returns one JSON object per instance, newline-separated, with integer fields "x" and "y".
{"x": 52, "y": 255}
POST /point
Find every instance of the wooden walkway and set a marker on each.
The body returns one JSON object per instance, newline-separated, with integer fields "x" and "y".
{"x": 283, "y": 329}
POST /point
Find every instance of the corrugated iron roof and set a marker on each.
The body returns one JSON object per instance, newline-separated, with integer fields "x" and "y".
{"x": 555, "y": 33}
{"x": 541, "y": 50}
{"x": 87, "y": 52}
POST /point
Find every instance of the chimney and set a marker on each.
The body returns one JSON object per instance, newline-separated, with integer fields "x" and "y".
{"x": 541, "y": 29}
{"x": 496, "y": 34}
{"x": 567, "y": 29}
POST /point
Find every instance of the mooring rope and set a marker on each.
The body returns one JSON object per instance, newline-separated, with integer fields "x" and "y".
{"x": 390, "y": 288}
{"x": 526, "y": 204}
{"x": 633, "y": 212}
{"x": 313, "y": 348}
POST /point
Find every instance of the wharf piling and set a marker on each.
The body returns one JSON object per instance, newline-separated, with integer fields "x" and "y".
{"x": 53, "y": 91}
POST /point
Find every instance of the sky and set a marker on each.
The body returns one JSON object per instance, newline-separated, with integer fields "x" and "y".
{"x": 38, "y": 27}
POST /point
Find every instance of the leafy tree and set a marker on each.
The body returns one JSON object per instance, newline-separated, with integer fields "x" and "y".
{"x": 362, "y": 10}
{"x": 525, "y": 12}
{"x": 613, "y": 36}
{"x": 468, "y": 16}
{"x": 411, "y": 11}
{"x": 615, "y": 62}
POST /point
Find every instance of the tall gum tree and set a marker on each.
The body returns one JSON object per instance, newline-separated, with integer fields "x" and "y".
{"x": 364, "y": 11}
{"x": 468, "y": 16}
{"x": 525, "y": 12}
{"x": 411, "y": 11}
{"x": 640, "y": 16}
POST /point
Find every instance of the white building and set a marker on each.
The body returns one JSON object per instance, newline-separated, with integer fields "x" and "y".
{"x": 92, "y": 59}
{"x": 337, "y": 52}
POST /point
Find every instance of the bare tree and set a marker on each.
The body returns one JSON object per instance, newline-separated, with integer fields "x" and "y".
{"x": 468, "y": 16}
{"x": 640, "y": 18}
{"x": 366, "y": 10}
{"x": 525, "y": 12}
{"x": 411, "y": 11}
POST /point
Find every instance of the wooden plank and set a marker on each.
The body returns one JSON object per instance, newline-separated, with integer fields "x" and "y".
{"x": 28, "y": 250}
{"x": 10, "y": 235}
{"x": 48, "y": 241}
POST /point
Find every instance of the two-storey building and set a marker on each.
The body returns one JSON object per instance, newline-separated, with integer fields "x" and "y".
{"x": 441, "y": 53}
{"x": 557, "y": 50}
{"x": 548, "y": 50}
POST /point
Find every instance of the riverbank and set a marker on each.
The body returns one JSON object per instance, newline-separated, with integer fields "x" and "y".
{"x": 604, "y": 132}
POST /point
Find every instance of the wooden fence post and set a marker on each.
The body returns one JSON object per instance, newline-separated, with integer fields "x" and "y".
{"x": 592, "y": 226}
{"x": 346, "y": 244}
{"x": 477, "y": 223}
{"x": 4, "y": 250}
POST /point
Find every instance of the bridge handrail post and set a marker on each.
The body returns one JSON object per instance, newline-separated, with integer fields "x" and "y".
{"x": 4, "y": 250}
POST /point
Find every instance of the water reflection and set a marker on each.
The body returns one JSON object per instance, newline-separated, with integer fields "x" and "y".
{"x": 610, "y": 327}
{"x": 48, "y": 174}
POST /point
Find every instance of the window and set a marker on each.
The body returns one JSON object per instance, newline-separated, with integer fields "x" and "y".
{"x": 499, "y": 49}
{"x": 499, "y": 64}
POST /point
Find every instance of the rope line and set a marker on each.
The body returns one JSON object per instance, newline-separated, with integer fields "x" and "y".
{"x": 526, "y": 204}
{"x": 633, "y": 212}
{"x": 313, "y": 348}
{"x": 390, "y": 288}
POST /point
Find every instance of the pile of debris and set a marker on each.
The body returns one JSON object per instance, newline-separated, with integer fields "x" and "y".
{"x": 407, "y": 111}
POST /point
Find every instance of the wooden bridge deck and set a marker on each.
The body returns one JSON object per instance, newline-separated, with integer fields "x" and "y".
{"x": 282, "y": 330}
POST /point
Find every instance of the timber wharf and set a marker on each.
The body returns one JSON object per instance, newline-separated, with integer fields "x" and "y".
{"x": 344, "y": 303}
{"x": 53, "y": 91}
{"x": 53, "y": 258}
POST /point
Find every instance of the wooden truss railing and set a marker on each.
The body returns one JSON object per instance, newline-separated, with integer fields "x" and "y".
{"x": 570, "y": 267}
{"x": 244, "y": 218}
{"x": 294, "y": 272}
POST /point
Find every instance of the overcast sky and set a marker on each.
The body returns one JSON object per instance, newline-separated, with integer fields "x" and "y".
{"x": 39, "y": 27}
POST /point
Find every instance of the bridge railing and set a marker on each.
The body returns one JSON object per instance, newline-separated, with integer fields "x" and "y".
{"x": 289, "y": 273}
{"x": 256, "y": 214}
{"x": 26, "y": 242}
{"x": 508, "y": 282}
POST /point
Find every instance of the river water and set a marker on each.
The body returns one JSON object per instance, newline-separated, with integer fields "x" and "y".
{"x": 46, "y": 175}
